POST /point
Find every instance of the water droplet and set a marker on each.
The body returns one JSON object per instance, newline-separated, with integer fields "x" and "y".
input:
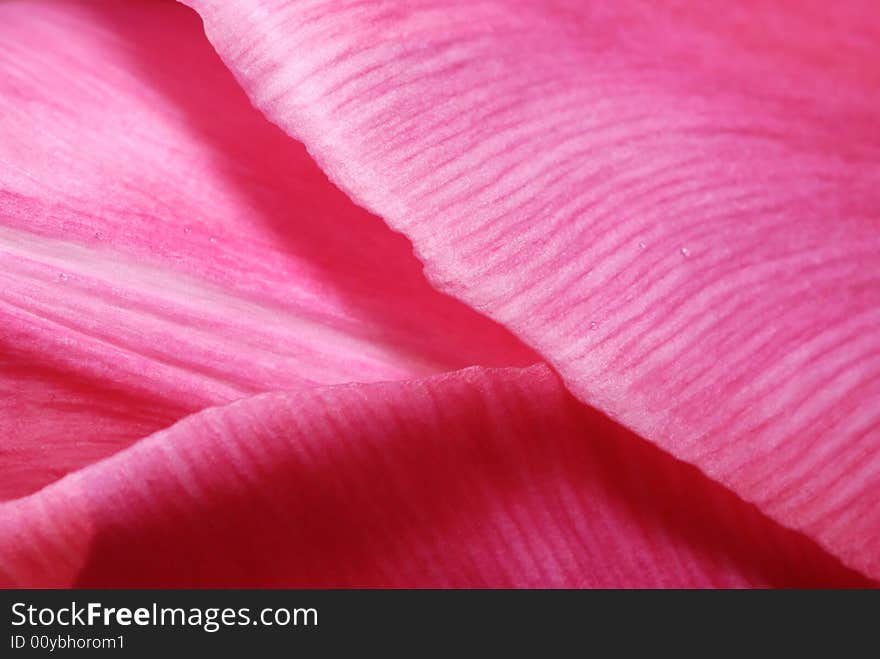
{"x": 685, "y": 252}
{"x": 594, "y": 325}
{"x": 187, "y": 229}
{"x": 62, "y": 276}
{"x": 642, "y": 244}
{"x": 212, "y": 239}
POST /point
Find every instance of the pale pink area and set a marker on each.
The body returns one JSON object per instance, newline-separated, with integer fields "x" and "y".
{"x": 676, "y": 203}
{"x": 470, "y": 479}
{"x": 163, "y": 247}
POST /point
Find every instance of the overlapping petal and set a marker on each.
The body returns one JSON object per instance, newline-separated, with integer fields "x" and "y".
{"x": 691, "y": 242}
{"x": 475, "y": 478}
{"x": 163, "y": 247}
{"x": 677, "y": 204}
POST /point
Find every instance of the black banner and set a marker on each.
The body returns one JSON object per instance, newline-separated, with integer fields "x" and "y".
{"x": 196, "y": 622}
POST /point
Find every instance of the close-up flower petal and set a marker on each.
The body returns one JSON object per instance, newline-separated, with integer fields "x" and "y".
{"x": 678, "y": 207}
{"x": 439, "y": 294}
{"x": 160, "y": 256}
{"x": 471, "y": 479}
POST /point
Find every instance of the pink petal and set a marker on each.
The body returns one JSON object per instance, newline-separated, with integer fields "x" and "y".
{"x": 677, "y": 204}
{"x": 165, "y": 248}
{"x": 476, "y": 478}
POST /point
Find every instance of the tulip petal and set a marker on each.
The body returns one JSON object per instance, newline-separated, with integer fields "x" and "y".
{"x": 678, "y": 205}
{"x": 165, "y": 248}
{"x": 474, "y": 478}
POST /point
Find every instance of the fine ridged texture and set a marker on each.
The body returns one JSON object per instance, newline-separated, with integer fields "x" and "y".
{"x": 217, "y": 368}
{"x": 471, "y": 479}
{"x": 158, "y": 256}
{"x": 677, "y": 205}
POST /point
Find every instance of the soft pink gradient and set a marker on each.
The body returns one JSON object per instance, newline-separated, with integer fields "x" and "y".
{"x": 677, "y": 205}
{"x": 165, "y": 248}
{"x": 215, "y": 369}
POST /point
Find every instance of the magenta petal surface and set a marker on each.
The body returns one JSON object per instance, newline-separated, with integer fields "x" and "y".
{"x": 165, "y": 248}
{"x": 676, "y": 204}
{"x": 470, "y": 479}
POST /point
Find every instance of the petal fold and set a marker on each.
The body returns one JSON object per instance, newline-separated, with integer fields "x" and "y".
{"x": 476, "y": 478}
{"x": 164, "y": 248}
{"x": 677, "y": 205}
